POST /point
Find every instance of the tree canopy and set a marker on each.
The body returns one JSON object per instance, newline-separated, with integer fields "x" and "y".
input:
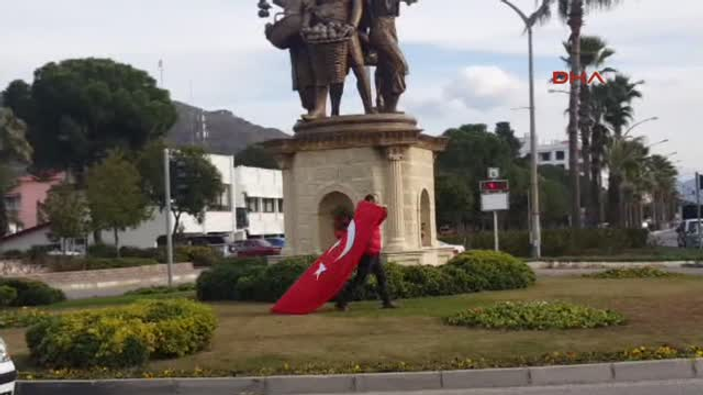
{"x": 115, "y": 197}
{"x": 195, "y": 182}
{"x": 78, "y": 110}
{"x": 67, "y": 211}
{"x": 255, "y": 156}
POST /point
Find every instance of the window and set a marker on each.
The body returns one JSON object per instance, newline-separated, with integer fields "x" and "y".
{"x": 561, "y": 155}
{"x": 222, "y": 203}
{"x": 253, "y": 204}
{"x": 269, "y": 205}
{"x": 280, "y": 205}
{"x": 13, "y": 202}
{"x": 545, "y": 156}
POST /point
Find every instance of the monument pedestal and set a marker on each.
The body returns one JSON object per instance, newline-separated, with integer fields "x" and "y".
{"x": 335, "y": 162}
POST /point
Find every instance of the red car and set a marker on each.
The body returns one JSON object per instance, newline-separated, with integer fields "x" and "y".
{"x": 254, "y": 247}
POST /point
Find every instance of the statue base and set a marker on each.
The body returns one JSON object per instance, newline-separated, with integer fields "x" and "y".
{"x": 335, "y": 162}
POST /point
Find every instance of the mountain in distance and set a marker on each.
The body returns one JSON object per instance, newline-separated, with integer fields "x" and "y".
{"x": 218, "y": 132}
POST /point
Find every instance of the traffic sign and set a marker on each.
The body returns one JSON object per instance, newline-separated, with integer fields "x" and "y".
{"x": 495, "y": 186}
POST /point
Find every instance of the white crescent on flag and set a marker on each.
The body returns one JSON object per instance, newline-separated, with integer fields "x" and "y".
{"x": 351, "y": 238}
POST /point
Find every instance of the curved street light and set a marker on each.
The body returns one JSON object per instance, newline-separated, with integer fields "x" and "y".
{"x": 530, "y": 21}
{"x": 636, "y": 124}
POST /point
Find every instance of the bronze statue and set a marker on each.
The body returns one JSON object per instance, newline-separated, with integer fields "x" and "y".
{"x": 330, "y": 28}
{"x": 325, "y": 38}
{"x": 286, "y": 34}
{"x": 391, "y": 66}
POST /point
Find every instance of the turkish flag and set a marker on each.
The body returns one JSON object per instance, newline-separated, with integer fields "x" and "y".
{"x": 327, "y": 276}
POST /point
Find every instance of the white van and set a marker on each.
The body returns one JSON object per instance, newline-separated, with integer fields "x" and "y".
{"x": 8, "y": 373}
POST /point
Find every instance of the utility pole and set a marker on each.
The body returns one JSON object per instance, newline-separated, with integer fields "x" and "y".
{"x": 161, "y": 73}
{"x": 698, "y": 208}
{"x": 169, "y": 226}
{"x": 536, "y": 231}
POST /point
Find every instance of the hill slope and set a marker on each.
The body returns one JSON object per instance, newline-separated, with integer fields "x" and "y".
{"x": 225, "y": 133}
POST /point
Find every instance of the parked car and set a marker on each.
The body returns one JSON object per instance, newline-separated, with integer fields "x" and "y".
{"x": 458, "y": 249}
{"x": 279, "y": 242}
{"x": 218, "y": 243}
{"x": 253, "y": 248}
{"x": 8, "y": 373}
{"x": 687, "y": 233}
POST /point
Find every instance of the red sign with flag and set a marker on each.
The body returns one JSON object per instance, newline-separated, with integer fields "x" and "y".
{"x": 327, "y": 276}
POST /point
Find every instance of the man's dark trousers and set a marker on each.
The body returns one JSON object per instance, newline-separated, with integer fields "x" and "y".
{"x": 369, "y": 264}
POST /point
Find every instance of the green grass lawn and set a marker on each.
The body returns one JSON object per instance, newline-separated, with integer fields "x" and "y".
{"x": 659, "y": 311}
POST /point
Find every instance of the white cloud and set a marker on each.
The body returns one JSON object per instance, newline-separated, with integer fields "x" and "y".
{"x": 482, "y": 87}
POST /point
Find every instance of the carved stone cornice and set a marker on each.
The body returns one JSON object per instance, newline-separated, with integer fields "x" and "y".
{"x": 355, "y": 131}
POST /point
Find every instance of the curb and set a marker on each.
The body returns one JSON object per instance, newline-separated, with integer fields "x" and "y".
{"x": 619, "y": 372}
{"x": 603, "y": 265}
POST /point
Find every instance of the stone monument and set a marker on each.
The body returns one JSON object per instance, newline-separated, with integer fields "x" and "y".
{"x": 334, "y": 160}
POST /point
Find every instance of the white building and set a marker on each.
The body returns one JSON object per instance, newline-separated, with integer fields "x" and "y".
{"x": 259, "y": 211}
{"x": 555, "y": 153}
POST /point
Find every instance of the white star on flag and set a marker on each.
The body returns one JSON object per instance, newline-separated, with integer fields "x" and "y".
{"x": 321, "y": 269}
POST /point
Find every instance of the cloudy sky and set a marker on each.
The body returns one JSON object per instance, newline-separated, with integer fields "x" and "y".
{"x": 468, "y": 59}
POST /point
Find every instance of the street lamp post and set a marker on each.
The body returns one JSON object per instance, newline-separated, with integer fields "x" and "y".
{"x": 536, "y": 232}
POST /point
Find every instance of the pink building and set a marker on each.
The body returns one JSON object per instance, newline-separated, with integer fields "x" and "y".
{"x": 22, "y": 203}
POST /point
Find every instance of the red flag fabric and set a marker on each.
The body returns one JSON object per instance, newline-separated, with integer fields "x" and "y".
{"x": 327, "y": 276}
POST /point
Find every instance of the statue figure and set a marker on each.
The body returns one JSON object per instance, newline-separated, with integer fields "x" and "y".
{"x": 391, "y": 66}
{"x": 332, "y": 31}
{"x": 286, "y": 34}
{"x": 326, "y": 38}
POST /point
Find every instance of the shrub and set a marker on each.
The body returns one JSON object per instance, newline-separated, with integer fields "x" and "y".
{"x": 220, "y": 282}
{"x": 490, "y": 270}
{"x": 469, "y": 272}
{"x": 200, "y": 255}
{"x": 7, "y": 295}
{"x": 32, "y": 293}
{"x": 558, "y": 242}
{"x": 21, "y": 318}
{"x": 536, "y": 316}
{"x": 162, "y": 290}
{"x": 122, "y": 337}
{"x": 13, "y": 254}
{"x": 89, "y": 263}
{"x": 631, "y": 272}
{"x": 102, "y": 251}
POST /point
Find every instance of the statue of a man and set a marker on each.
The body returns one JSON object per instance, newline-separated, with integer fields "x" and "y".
{"x": 329, "y": 79}
{"x": 392, "y": 66}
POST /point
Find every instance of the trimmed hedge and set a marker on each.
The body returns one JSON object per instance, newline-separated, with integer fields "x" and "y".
{"x": 473, "y": 271}
{"x": 122, "y": 337}
{"x": 21, "y": 318}
{"x": 32, "y": 293}
{"x": 536, "y": 316}
{"x": 558, "y": 242}
{"x": 7, "y": 295}
{"x": 162, "y": 290}
{"x": 80, "y": 264}
{"x": 631, "y": 272}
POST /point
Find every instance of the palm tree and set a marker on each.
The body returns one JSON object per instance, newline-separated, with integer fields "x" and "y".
{"x": 618, "y": 114}
{"x": 594, "y": 54}
{"x": 13, "y": 148}
{"x": 573, "y": 12}
{"x": 664, "y": 176}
